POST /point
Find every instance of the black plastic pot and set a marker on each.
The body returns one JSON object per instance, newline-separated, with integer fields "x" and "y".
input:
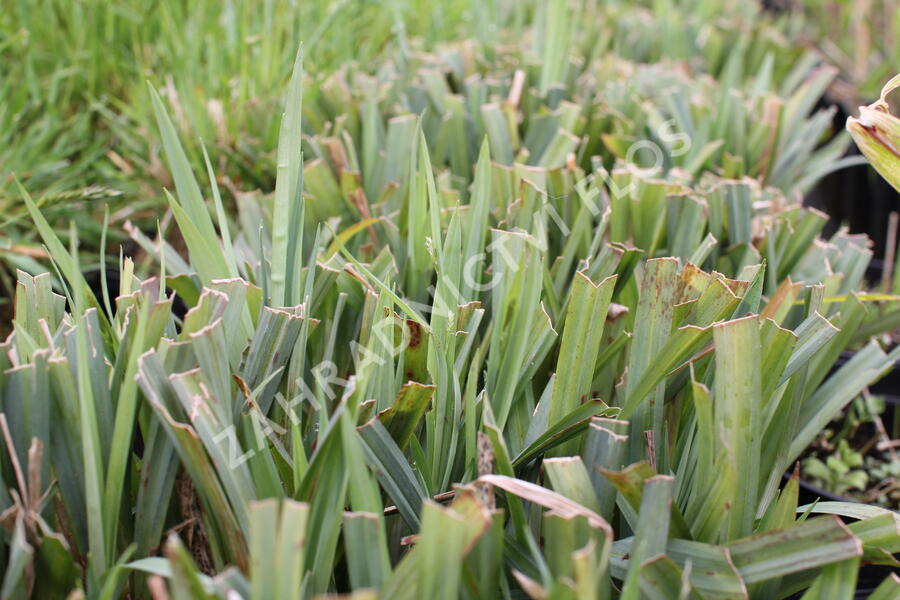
{"x": 854, "y": 196}
{"x": 810, "y": 493}
{"x": 870, "y": 576}
{"x": 886, "y": 387}
{"x": 858, "y": 197}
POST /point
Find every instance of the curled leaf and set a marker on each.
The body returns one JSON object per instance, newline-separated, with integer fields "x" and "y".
{"x": 877, "y": 133}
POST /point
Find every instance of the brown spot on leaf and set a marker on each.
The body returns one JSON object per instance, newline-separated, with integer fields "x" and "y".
{"x": 245, "y": 390}
{"x": 415, "y": 333}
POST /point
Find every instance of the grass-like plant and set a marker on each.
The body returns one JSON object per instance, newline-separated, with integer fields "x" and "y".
{"x": 411, "y": 375}
{"x": 860, "y": 40}
{"x": 77, "y": 131}
{"x": 70, "y": 123}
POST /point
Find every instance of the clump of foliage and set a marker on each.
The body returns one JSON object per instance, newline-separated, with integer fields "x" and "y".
{"x": 405, "y": 375}
{"x": 860, "y": 39}
{"x": 78, "y": 132}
